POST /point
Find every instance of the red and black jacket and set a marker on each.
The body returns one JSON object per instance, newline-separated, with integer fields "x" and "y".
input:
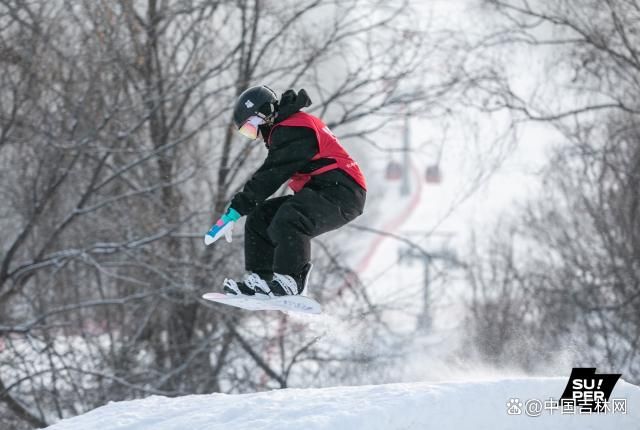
{"x": 303, "y": 151}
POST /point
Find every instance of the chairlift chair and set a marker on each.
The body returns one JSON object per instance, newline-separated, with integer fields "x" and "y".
{"x": 433, "y": 175}
{"x": 394, "y": 171}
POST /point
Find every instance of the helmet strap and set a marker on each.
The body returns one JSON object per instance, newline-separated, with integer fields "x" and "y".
{"x": 270, "y": 116}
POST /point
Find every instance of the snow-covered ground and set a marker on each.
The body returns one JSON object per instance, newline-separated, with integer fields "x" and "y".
{"x": 419, "y": 406}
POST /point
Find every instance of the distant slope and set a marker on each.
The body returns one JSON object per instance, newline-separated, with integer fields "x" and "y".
{"x": 419, "y": 406}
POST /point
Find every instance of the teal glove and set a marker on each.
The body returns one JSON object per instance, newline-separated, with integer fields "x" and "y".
{"x": 222, "y": 227}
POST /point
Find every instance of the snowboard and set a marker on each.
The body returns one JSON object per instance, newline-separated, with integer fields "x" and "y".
{"x": 301, "y": 304}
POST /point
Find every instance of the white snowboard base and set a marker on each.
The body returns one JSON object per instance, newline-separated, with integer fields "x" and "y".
{"x": 267, "y": 303}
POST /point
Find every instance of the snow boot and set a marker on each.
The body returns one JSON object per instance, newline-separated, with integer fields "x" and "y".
{"x": 248, "y": 286}
{"x": 287, "y": 285}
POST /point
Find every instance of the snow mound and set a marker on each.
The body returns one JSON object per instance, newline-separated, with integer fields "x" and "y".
{"x": 419, "y": 406}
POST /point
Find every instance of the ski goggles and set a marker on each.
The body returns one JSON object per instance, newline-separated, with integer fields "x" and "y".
{"x": 250, "y": 127}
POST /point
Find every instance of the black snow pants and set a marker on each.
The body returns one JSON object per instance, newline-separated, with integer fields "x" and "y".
{"x": 278, "y": 231}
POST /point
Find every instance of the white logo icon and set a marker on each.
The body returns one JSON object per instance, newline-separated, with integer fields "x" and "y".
{"x": 514, "y": 407}
{"x": 248, "y": 104}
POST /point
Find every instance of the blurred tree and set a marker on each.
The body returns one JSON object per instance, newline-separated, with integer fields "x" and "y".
{"x": 573, "y": 267}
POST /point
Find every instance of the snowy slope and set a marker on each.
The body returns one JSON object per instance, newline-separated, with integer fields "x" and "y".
{"x": 419, "y": 406}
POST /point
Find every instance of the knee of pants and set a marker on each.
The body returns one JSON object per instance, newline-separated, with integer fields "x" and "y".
{"x": 251, "y": 221}
{"x": 287, "y": 225}
{"x": 278, "y": 230}
{"x": 255, "y": 221}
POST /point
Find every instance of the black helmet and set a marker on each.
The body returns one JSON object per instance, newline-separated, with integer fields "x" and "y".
{"x": 259, "y": 100}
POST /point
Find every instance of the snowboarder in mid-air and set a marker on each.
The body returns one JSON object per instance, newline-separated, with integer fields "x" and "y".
{"x": 329, "y": 191}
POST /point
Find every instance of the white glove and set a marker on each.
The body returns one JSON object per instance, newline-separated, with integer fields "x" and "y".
{"x": 222, "y": 227}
